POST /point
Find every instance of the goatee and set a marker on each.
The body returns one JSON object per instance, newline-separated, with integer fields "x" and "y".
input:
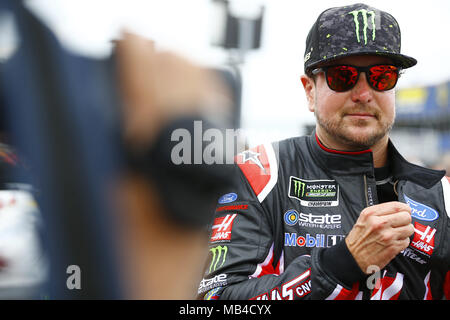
{"x": 339, "y": 131}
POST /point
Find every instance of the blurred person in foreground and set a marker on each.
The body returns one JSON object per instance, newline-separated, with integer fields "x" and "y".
{"x": 165, "y": 207}
{"x": 339, "y": 214}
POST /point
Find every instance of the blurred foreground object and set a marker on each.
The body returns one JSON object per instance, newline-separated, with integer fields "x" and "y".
{"x": 60, "y": 111}
{"x": 167, "y": 206}
{"x": 159, "y": 87}
{"x": 115, "y": 206}
{"x": 23, "y": 265}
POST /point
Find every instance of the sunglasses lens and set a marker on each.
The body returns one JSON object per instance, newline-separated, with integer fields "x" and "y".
{"x": 383, "y": 77}
{"x": 341, "y": 78}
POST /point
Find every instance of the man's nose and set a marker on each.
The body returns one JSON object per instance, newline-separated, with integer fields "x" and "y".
{"x": 362, "y": 92}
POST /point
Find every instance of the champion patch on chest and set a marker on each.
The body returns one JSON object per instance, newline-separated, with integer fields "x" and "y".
{"x": 314, "y": 193}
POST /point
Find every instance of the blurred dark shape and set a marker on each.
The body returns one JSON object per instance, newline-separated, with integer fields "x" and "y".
{"x": 237, "y": 32}
{"x": 107, "y": 186}
{"x": 167, "y": 202}
{"x": 232, "y": 78}
{"x": 57, "y": 106}
{"x": 238, "y": 35}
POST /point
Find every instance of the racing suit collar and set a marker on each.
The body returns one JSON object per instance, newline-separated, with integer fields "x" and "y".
{"x": 337, "y": 151}
{"x": 341, "y": 162}
{"x": 404, "y": 170}
{"x": 361, "y": 162}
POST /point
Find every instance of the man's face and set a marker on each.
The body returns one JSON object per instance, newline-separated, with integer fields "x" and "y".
{"x": 352, "y": 120}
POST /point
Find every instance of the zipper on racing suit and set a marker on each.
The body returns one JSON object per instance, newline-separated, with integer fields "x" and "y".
{"x": 369, "y": 193}
{"x": 371, "y": 199}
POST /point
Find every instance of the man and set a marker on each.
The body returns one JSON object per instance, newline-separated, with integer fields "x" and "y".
{"x": 339, "y": 214}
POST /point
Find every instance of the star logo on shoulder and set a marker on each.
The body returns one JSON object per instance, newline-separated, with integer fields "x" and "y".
{"x": 252, "y": 156}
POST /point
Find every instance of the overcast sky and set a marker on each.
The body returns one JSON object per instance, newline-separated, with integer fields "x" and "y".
{"x": 273, "y": 101}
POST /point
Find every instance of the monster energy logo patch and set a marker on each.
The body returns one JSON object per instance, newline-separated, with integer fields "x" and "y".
{"x": 219, "y": 253}
{"x": 314, "y": 193}
{"x": 364, "y": 14}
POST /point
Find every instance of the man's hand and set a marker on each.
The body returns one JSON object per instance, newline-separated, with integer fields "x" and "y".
{"x": 379, "y": 234}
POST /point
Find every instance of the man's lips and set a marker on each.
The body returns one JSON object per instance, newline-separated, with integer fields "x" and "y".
{"x": 361, "y": 115}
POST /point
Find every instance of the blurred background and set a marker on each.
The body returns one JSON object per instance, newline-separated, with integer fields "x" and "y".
{"x": 273, "y": 102}
{"x": 61, "y": 64}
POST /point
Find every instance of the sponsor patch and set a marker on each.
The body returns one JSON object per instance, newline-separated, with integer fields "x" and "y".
{"x": 296, "y": 288}
{"x": 213, "y": 294}
{"x": 421, "y": 211}
{"x": 320, "y": 240}
{"x": 321, "y": 221}
{"x": 409, "y": 253}
{"x": 219, "y": 280}
{"x": 423, "y": 238}
{"x": 291, "y": 217}
{"x": 314, "y": 193}
{"x": 221, "y": 230}
{"x": 227, "y": 198}
{"x": 218, "y": 258}
{"x": 233, "y": 207}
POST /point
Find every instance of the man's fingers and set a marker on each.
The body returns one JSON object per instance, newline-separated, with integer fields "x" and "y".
{"x": 404, "y": 232}
{"x": 402, "y": 244}
{"x": 386, "y": 209}
{"x": 398, "y": 219}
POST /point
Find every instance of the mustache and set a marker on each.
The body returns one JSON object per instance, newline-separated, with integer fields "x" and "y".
{"x": 363, "y": 109}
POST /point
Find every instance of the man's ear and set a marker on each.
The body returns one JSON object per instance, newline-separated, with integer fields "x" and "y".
{"x": 309, "y": 86}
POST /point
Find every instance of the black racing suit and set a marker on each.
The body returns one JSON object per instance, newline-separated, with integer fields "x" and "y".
{"x": 278, "y": 234}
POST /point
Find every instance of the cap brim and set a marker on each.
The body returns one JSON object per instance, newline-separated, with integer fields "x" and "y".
{"x": 401, "y": 60}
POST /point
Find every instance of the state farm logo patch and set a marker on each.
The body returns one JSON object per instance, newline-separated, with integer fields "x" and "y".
{"x": 221, "y": 230}
{"x": 423, "y": 238}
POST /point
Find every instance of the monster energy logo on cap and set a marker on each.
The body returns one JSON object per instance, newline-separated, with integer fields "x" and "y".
{"x": 219, "y": 253}
{"x": 364, "y": 14}
{"x": 314, "y": 193}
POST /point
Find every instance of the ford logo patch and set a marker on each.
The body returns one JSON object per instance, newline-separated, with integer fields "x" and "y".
{"x": 227, "y": 198}
{"x": 421, "y": 211}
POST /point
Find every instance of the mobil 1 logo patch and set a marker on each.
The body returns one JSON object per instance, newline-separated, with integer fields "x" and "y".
{"x": 314, "y": 193}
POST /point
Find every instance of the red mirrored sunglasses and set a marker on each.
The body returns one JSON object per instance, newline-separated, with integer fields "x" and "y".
{"x": 340, "y": 78}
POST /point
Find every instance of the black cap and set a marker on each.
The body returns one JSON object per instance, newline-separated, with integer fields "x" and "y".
{"x": 356, "y": 29}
